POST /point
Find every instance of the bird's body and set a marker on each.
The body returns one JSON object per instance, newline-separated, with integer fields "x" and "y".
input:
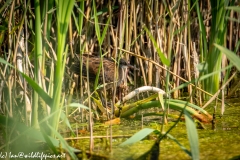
{"x": 108, "y": 70}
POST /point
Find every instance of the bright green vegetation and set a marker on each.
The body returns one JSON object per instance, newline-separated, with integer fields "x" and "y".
{"x": 221, "y": 143}
{"x": 186, "y": 48}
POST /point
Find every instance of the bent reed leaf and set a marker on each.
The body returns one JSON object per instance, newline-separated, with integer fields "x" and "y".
{"x": 138, "y": 136}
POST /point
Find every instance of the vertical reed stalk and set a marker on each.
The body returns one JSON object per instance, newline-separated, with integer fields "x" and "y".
{"x": 37, "y": 59}
{"x": 218, "y": 31}
{"x": 64, "y": 9}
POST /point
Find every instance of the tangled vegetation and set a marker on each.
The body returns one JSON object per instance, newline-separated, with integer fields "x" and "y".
{"x": 189, "y": 49}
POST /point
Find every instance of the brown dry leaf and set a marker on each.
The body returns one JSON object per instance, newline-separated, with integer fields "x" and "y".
{"x": 113, "y": 121}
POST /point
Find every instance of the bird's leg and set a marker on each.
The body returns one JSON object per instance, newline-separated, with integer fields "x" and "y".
{"x": 102, "y": 100}
{"x": 119, "y": 92}
{"x": 123, "y": 83}
{"x": 105, "y": 105}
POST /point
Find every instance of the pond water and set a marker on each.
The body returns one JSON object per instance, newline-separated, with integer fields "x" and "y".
{"x": 219, "y": 144}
